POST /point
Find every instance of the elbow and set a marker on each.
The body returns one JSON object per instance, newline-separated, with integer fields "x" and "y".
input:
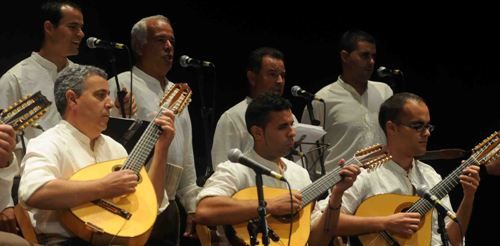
{"x": 202, "y": 215}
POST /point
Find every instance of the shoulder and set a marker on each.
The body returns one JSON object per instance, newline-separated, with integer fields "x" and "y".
{"x": 380, "y": 86}
{"x": 426, "y": 168}
{"x": 236, "y": 111}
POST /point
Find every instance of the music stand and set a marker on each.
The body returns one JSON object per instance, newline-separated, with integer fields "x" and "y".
{"x": 126, "y": 131}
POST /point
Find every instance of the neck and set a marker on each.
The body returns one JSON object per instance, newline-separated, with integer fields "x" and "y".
{"x": 405, "y": 161}
{"x": 60, "y": 61}
{"x": 155, "y": 73}
{"x": 81, "y": 128}
{"x": 359, "y": 84}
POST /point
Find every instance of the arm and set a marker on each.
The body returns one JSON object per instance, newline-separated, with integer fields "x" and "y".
{"x": 60, "y": 193}
{"x": 404, "y": 224}
{"x": 8, "y": 169}
{"x": 221, "y": 210}
{"x": 7, "y": 145}
{"x": 188, "y": 189}
{"x": 322, "y": 230}
{"x": 470, "y": 182}
{"x": 227, "y": 136}
{"x": 157, "y": 169}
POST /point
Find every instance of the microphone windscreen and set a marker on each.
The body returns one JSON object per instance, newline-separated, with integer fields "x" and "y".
{"x": 234, "y": 155}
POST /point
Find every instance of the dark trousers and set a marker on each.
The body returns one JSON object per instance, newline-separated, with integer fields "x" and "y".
{"x": 166, "y": 229}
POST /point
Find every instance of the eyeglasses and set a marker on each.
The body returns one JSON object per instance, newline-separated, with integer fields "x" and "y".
{"x": 419, "y": 126}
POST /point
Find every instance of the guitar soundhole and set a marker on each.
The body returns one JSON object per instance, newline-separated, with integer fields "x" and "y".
{"x": 288, "y": 218}
{"x": 118, "y": 168}
{"x": 403, "y": 207}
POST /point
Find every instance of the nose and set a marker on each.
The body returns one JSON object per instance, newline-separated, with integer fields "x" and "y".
{"x": 168, "y": 45}
{"x": 109, "y": 102}
{"x": 292, "y": 132}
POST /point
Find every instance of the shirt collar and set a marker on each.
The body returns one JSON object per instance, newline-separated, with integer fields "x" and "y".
{"x": 348, "y": 88}
{"x": 46, "y": 63}
{"x": 78, "y": 134}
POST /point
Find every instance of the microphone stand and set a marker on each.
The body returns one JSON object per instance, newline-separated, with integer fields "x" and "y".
{"x": 316, "y": 122}
{"x": 442, "y": 227}
{"x": 261, "y": 210}
{"x": 207, "y": 117}
{"x": 120, "y": 93}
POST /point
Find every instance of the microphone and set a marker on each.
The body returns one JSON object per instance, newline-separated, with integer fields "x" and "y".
{"x": 383, "y": 72}
{"x": 298, "y": 92}
{"x": 423, "y": 192}
{"x": 187, "y": 61}
{"x": 95, "y": 43}
{"x": 235, "y": 155}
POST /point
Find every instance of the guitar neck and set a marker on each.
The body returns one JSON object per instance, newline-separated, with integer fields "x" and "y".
{"x": 314, "y": 190}
{"x": 422, "y": 206}
{"x": 141, "y": 150}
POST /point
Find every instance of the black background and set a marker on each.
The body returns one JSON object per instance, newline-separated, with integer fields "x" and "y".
{"x": 449, "y": 55}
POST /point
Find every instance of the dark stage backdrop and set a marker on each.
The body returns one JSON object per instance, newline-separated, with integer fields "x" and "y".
{"x": 450, "y": 58}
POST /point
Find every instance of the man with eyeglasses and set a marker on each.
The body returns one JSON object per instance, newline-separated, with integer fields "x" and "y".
{"x": 405, "y": 118}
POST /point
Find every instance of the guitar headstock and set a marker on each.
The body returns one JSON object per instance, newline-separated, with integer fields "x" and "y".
{"x": 487, "y": 150}
{"x": 26, "y": 111}
{"x": 177, "y": 97}
{"x": 372, "y": 157}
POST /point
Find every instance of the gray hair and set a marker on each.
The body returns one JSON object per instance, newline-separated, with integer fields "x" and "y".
{"x": 139, "y": 32}
{"x": 73, "y": 78}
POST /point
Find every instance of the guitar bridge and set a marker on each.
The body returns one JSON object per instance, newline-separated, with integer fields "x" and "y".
{"x": 112, "y": 208}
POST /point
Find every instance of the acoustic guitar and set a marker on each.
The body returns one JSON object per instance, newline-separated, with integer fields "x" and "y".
{"x": 125, "y": 220}
{"x": 387, "y": 204}
{"x": 370, "y": 157}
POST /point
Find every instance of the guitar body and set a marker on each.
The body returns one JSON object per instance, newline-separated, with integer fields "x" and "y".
{"x": 301, "y": 223}
{"x": 99, "y": 226}
{"x": 387, "y": 204}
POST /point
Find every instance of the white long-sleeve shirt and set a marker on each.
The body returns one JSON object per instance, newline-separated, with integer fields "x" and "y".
{"x": 148, "y": 94}
{"x": 351, "y": 120}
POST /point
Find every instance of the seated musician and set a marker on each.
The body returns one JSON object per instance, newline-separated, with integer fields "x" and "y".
{"x": 82, "y": 98}
{"x": 405, "y": 118}
{"x": 269, "y": 120}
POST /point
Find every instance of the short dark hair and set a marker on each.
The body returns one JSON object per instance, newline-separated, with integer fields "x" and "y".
{"x": 392, "y": 108}
{"x": 254, "y": 62}
{"x": 350, "y": 39}
{"x": 258, "y": 110}
{"x": 51, "y": 11}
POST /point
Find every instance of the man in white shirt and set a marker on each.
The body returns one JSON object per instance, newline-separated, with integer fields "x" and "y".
{"x": 153, "y": 43}
{"x": 265, "y": 73}
{"x": 62, "y": 23}
{"x": 82, "y": 99}
{"x": 269, "y": 119}
{"x": 405, "y": 119}
{"x": 350, "y": 110}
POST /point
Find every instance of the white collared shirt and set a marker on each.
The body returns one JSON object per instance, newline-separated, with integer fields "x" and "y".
{"x": 57, "y": 154}
{"x": 230, "y": 177}
{"x": 390, "y": 178}
{"x": 231, "y": 132}
{"x": 351, "y": 120}
{"x": 32, "y": 74}
{"x": 148, "y": 94}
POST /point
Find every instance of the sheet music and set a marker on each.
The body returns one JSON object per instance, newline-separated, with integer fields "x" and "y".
{"x": 308, "y": 134}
